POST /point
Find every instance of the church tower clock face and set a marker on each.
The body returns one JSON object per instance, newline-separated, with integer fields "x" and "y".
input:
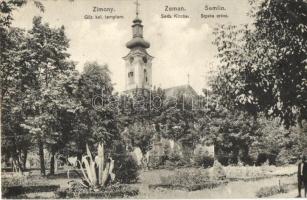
{"x": 138, "y": 62}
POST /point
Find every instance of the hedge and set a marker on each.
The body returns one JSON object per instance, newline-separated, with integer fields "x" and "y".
{"x": 206, "y": 185}
{"x": 13, "y": 191}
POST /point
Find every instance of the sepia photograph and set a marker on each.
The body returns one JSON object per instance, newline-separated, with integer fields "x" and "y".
{"x": 153, "y": 99}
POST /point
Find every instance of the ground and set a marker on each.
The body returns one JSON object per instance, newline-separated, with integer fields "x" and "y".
{"x": 234, "y": 189}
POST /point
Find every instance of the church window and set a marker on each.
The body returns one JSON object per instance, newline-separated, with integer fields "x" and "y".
{"x": 145, "y": 75}
{"x": 131, "y": 60}
{"x": 144, "y": 59}
{"x": 130, "y": 74}
{"x": 130, "y": 77}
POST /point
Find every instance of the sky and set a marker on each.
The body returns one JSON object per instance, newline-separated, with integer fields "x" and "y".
{"x": 179, "y": 46}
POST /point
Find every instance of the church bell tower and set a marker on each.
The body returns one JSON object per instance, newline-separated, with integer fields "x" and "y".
{"x": 138, "y": 62}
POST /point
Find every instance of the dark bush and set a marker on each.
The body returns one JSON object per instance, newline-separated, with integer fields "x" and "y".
{"x": 202, "y": 157}
{"x": 13, "y": 191}
{"x": 155, "y": 159}
{"x": 126, "y": 168}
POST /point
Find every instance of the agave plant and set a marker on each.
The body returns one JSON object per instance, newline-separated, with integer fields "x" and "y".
{"x": 96, "y": 171}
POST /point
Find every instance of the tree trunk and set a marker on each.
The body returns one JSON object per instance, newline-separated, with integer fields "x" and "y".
{"x": 41, "y": 157}
{"x": 52, "y": 162}
{"x": 24, "y": 158}
{"x": 17, "y": 163}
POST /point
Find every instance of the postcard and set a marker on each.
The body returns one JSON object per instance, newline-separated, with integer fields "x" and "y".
{"x": 153, "y": 99}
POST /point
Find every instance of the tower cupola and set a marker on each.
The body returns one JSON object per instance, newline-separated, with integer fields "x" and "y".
{"x": 137, "y": 33}
{"x": 138, "y": 61}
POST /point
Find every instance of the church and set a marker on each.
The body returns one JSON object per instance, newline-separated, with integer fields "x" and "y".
{"x": 138, "y": 78}
{"x": 138, "y": 65}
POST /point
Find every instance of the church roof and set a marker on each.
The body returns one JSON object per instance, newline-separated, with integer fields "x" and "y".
{"x": 137, "y": 42}
{"x": 180, "y": 90}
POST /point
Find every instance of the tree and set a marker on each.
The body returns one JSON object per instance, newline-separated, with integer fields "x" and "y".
{"x": 95, "y": 119}
{"x": 263, "y": 66}
{"x": 139, "y": 134}
{"x": 138, "y": 113}
{"x": 46, "y": 58}
{"x": 7, "y": 7}
{"x": 277, "y": 144}
{"x": 12, "y": 42}
{"x": 63, "y": 105}
{"x": 14, "y": 84}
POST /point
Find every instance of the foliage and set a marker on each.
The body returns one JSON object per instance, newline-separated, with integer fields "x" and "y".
{"x": 7, "y": 7}
{"x": 189, "y": 179}
{"x": 46, "y": 59}
{"x": 156, "y": 158}
{"x": 277, "y": 144}
{"x": 186, "y": 177}
{"x": 232, "y": 134}
{"x": 125, "y": 167}
{"x": 272, "y": 190}
{"x": 263, "y": 67}
{"x": 129, "y": 170}
{"x": 174, "y": 156}
{"x": 96, "y": 172}
{"x": 15, "y": 141}
{"x": 29, "y": 62}
{"x": 95, "y": 118}
{"x": 139, "y": 134}
{"x": 202, "y": 157}
{"x": 257, "y": 172}
{"x": 111, "y": 191}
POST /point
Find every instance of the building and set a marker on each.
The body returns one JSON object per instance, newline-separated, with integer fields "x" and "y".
{"x": 138, "y": 65}
{"x": 186, "y": 90}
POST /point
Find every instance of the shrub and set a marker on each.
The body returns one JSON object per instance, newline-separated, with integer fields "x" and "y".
{"x": 175, "y": 154}
{"x": 12, "y": 180}
{"x": 202, "y": 157}
{"x": 126, "y": 168}
{"x": 14, "y": 191}
{"x": 186, "y": 177}
{"x": 128, "y": 171}
{"x": 285, "y": 157}
{"x": 155, "y": 159}
{"x": 272, "y": 190}
{"x": 112, "y": 191}
{"x": 96, "y": 172}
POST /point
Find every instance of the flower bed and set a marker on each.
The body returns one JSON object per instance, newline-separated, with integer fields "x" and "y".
{"x": 248, "y": 178}
{"x": 114, "y": 191}
{"x": 193, "y": 187}
{"x": 13, "y": 191}
{"x": 272, "y": 190}
{"x": 256, "y": 173}
{"x": 192, "y": 179}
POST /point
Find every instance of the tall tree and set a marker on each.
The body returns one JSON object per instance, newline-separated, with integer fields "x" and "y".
{"x": 15, "y": 77}
{"x": 62, "y": 104}
{"x": 96, "y": 117}
{"x": 263, "y": 65}
{"x": 47, "y": 58}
